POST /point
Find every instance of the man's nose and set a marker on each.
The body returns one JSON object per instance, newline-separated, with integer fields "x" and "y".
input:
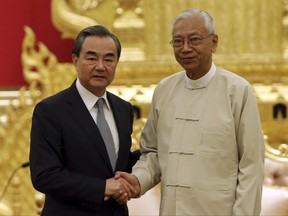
{"x": 186, "y": 46}
{"x": 99, "y": 65}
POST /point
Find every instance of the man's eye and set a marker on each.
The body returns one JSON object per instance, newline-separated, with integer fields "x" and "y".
{"x": 195, "y": 39}
{"x": 177, "y": 41}
{"x": 91, "y": 59}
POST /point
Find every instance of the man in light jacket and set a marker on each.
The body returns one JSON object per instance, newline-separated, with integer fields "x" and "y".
{"x": 203, "y": 139}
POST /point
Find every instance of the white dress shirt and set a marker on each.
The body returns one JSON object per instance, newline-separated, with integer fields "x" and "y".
{"x": 90, "y": 100}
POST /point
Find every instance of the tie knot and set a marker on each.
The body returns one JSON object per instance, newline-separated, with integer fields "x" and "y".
{"x": 99, "y": 103}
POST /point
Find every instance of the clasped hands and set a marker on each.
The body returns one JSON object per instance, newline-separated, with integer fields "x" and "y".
{"x": 122, "y": 187}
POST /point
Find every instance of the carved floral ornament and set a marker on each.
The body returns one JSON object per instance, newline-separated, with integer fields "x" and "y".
{"x": 70, "y": 16}
{"x": 279, "y": 153}
{"x": 83, "y": 5}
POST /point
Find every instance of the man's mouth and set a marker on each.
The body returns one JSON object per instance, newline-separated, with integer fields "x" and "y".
{"x": 98, "y": 76}
{"x": 187, "y": 59}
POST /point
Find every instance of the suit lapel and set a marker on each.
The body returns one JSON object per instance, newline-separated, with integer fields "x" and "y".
{"x": 82, "y": 116}
{"x": 119, "y": 117}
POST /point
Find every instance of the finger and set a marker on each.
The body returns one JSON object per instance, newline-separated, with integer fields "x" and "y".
{"x": 121, "y": 174}
{"x": 126, "y": 187}
{"x": 121, "y": 198}
{"x": 118, "y": 194}
{"x": 119, "y": 191}
{"x": 117, "y": 176}
{"x": 130, "y": 186}
{"x": 106, "y": 198}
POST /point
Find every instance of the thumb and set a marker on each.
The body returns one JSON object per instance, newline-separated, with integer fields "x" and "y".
{"x": 119, "y": 174}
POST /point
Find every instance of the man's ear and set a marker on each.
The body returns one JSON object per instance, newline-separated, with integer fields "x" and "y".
{"x": 75, "y": 61}
{"x": 215, "y": 43}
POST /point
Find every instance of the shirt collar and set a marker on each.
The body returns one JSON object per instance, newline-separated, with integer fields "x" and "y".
{"x": 202, "y": 81}
{"x": 88, "y": 98}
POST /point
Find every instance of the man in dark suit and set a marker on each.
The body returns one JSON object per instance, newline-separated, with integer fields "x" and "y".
{"x": 69, "y": 161}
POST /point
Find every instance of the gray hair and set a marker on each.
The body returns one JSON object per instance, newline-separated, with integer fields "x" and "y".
{"x": 208, "y": 20}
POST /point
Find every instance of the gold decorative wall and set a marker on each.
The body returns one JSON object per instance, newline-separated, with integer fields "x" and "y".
{"x": 253, "y": 42}
{"x": 252, "y": 34}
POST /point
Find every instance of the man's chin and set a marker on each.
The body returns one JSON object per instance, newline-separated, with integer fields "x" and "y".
{"x": 188, "y": 64}
{"x": 189, "y": 67}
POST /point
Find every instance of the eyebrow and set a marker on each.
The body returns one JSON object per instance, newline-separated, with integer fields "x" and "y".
{"x": 109, "y": 54}
{"x": 90, "y": 52}
{"x": 191, "y": 34}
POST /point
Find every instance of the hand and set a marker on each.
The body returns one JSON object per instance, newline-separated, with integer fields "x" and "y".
{"x": 118, "y": 189}
{"x": 132, "y": 180}
{"x": 123, "y": 198}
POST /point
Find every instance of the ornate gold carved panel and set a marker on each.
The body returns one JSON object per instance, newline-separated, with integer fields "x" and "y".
{"x": 253, "y": 34}
{"x": 253, "y": 42}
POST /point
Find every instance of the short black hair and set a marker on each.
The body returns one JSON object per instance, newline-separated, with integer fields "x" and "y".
{"x": 96, "y": 30}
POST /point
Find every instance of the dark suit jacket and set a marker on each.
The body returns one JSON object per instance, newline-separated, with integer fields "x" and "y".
{"x": 68, "y": 158}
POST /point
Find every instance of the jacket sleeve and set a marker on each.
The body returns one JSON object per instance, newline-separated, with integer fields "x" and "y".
{"x": 250, "y": 143}
{"x": 147, "y": 168}
{"x": 49, "y": 172}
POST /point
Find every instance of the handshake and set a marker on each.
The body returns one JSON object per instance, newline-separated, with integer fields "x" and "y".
{"x": 122, "y": 187}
